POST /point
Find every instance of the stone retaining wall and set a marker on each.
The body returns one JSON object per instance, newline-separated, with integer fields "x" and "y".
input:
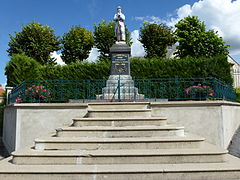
{"x": 25, "y": 122}
{"x": 217, "y": 121}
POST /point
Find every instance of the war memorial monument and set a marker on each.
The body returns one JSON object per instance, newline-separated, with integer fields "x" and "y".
{"x": 120, "y": 140}
{"x": 120, "y": 84}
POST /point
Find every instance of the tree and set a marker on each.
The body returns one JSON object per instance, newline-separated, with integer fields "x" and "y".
{"x": 104, "y": 37}
{"x": 21, "y": 68}
{"x": 36, "y": 41}
{"x": 155, "y": 39}
{"x": 195, "y": 41}
{"x": 77, "y": 44}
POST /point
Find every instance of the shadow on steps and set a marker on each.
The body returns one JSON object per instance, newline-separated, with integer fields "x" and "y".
{"x": 3, "y": 151}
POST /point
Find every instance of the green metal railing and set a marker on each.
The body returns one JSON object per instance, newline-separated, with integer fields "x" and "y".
{"x": 120, "y": 90}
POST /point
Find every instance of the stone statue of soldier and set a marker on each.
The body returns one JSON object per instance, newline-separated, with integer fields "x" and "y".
{"x": 119, "y": 17}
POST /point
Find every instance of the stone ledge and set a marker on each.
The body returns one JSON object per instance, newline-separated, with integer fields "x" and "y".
{"x": 122, "y": 119}
{"x": 48, "y": 105}
{"x": 120, "y": 152}
{"x": 162, "y": 103}
{"x": 193, "y": 103}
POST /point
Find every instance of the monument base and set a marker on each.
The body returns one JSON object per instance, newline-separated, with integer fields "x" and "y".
{"x": 120, "y": 87}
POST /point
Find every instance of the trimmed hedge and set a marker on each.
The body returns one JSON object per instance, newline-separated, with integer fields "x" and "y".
{"x": 189, "y": 67}
{"x": 20, "y": 68}
{"x": 238, "y": 94}
{"x": 141, "y": 68}
{"x": 77, "y": 70}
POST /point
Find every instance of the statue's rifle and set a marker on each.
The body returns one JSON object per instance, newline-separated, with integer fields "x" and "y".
{"x": 119, "y": 33}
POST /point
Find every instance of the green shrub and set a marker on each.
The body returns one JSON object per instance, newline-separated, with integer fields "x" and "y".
{"x": 21, "y": 68}
{"x": 76, "y": 70}
{"x": 238, "y": 94}
{"x": 86, "y": 70}
{"x": 141, "y": 68}
{"x": 188, "y": 67}
{"x": 51, "y": 72}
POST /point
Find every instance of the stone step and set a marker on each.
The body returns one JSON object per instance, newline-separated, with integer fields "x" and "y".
{"x": 79, "y": 143}
{"x": 108, "y": 113}
{"x": 229, "y": 170}
{"x": 146, "y": 156}
{"x": 120, "y": 122}
{"x": 127, "y": 131}
{"x": 119, "y": 105}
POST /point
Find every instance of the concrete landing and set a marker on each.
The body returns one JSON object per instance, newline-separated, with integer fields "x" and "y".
{"x": 186, "y": 171}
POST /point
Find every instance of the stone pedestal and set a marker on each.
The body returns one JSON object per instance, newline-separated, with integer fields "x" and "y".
{"x": 120, "y": 85}
{"x": 120, "y": 56}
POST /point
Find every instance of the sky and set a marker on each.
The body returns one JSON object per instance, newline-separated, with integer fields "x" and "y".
{"x": 220, "y": 15}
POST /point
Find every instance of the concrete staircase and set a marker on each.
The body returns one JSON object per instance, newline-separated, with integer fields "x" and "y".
{"x": 121, "y": 141}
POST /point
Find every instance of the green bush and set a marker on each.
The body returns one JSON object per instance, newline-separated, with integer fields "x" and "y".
{"x": 86, "y": 70}
{"x": 238, "y": 94}
{"x": 141, "y": 68}
{"x": 51, "y": 72}
{"x": 76, "y": 70}
{"x": 188, "y": 67}
{"x": 21, "y": 68}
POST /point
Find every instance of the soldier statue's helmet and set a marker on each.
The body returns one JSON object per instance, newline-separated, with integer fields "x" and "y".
{"x": 119, "y": 7}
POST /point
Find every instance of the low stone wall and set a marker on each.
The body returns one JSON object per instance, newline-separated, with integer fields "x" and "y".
{"x": 217, "y": 121}
{"x": 25, "y": 122}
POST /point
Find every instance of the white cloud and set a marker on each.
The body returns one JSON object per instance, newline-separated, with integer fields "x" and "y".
{"x": 57, "y": 57}
{"x": 151, "y": 19}
{"x": 93, "y": 56}
{"x": 220, "y": 15}
{"x": 139, "y": 18}
{"x": 137, "y": 47}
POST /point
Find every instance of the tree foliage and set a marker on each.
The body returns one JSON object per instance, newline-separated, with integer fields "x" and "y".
{"x": 21, "y": 68}
{"x": 155, "y": 39}
{"x": 77, "y": 44}
{"x": 104, "y": 37}
{"x": 36, "y": 41}
{"x": 195, "y": 41}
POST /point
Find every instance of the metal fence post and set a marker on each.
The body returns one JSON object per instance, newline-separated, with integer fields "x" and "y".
{"x": 119, "y": 93}
{"x": 177, "y": 87}
{"x": 24, "y": 91}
